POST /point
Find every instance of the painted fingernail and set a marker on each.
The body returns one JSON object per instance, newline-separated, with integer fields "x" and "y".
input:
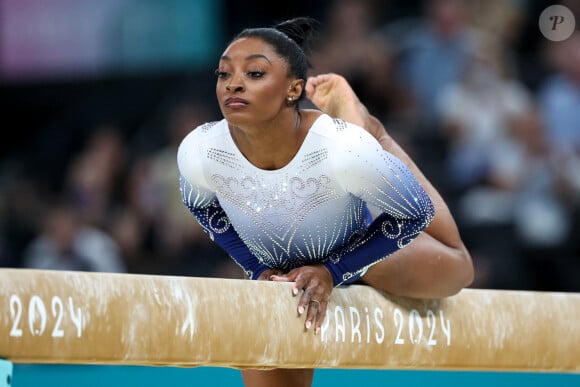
{"x": 300, "y": 309}
{"x": 294, "y": 291}
{"x": 308, "y": 324}
{"x": 317, "y": 330}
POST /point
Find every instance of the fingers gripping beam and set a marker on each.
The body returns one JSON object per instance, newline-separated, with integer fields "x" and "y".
{"x": 98, "y": 318}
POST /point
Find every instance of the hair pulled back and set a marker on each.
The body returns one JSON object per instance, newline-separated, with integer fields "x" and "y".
{"x": 291, "y": 39}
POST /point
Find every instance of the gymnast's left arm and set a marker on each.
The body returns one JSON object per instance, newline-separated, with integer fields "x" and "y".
{"x": 202, "y": 202}
{"x": 437, "y": 264}
{"x": 381, "y": 180}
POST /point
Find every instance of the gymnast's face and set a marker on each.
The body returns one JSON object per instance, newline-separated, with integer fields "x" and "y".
{"x": 252, "y": 82}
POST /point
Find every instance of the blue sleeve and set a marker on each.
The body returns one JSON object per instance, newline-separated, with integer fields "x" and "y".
{"x": 215, "y": 222}
{"x": 384, "y": 236}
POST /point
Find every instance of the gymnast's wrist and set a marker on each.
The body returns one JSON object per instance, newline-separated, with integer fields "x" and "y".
{"x": 335, "y": 273}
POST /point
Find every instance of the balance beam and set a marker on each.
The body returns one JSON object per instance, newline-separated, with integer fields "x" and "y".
{"x": 124, "y": 319}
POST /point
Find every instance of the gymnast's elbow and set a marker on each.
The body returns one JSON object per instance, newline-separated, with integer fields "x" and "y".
{"x": 461, "y": 274}
{"x": 468, "y": 272}
{"x": 446, "y": 269}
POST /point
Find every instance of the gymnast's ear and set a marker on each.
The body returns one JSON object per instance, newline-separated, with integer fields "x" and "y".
{"x": 296, "y": 88}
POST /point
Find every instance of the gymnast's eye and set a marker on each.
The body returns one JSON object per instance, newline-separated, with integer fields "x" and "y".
{"x": 256, "y": 74}
{"x": 221, "y": 74}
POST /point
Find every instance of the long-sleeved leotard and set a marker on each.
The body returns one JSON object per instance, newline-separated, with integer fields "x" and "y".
{"x": 313, "y": 210}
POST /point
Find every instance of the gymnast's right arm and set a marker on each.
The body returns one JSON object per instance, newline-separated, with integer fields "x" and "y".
{"x": 205, "y": 207}
{"x": 216, "y": 224}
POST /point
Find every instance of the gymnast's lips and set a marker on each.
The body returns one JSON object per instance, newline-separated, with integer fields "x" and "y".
{"x": 234, "y": 102}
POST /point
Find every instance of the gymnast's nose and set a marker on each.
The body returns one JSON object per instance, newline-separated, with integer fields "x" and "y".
{"x": 235, "y": 84}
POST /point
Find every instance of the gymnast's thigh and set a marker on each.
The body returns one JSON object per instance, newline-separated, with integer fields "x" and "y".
{"x": 279, "y": 377}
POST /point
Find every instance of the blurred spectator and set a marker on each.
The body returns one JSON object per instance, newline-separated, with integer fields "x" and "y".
{"x": 431, "y": 51}
{"x": 94, "y": 176}
{"x": 434, "y": 53}
{"x": 543, "y": 218}
{"x": 559, "y": 99}
{"x": 66, "y": 242}
{"x": 477, "y": 113}
{"x": 20, "y": 203}
{"x": 559, "y": 103}
{"x": 503, "y": 18}
{"x": 509, "y": 224}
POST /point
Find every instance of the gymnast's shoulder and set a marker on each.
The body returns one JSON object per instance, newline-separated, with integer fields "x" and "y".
{"x": 207, "y": 131}
{"x": 190, "y": 149}
{"x": 342, "y": 133}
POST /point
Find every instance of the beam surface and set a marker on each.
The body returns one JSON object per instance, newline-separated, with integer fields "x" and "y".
{"x": 102, "y": 318}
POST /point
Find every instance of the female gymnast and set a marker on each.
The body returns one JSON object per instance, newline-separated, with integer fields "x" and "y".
{"x": 319, "y": 198}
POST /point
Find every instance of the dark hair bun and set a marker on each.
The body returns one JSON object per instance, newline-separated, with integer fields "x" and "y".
{"x": 300, "y": 29}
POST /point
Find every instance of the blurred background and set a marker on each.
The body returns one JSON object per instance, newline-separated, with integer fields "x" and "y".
{"x": 96, "y": 96}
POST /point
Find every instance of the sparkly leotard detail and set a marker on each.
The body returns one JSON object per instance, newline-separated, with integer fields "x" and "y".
{"x": 313, "y": 210}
